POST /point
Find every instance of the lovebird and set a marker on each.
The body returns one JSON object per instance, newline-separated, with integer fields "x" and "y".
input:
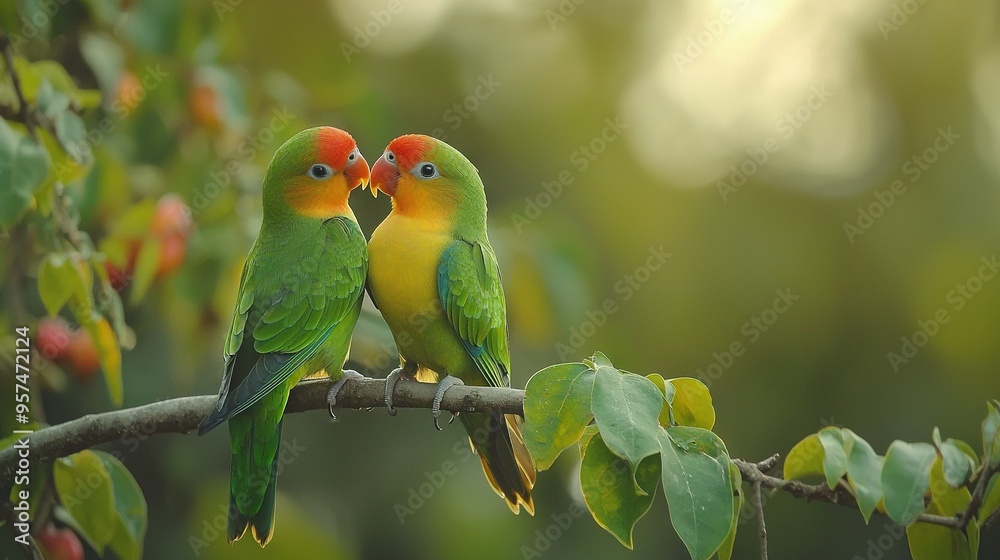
{"x": 434, "y": 277}
{"x": 299, "y": 299}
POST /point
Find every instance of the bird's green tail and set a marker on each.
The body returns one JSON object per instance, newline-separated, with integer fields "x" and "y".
{"x": 508, "y": 467}
{"x": 259, "y": 519}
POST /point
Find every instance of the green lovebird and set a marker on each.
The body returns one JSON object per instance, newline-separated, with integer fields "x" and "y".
{"x": 436, "y": 281}
{"x": 300, "y": 297}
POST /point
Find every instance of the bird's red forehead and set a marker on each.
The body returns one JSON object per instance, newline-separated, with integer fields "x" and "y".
{"x": 410, "y": 150}
{"x": 333, "y": 146}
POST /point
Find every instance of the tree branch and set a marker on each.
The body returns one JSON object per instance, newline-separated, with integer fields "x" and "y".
{"x": 183, "y": 415}
{"x": 754, "y": 474}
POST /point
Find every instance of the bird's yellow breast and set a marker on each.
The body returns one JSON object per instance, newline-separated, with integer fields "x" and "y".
{"x": 404, "y": 254}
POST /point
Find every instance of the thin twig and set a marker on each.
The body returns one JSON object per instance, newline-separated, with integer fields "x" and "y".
{"x": 977, "y": 495}
{"x": 840, "y": 495}
{"x": 24, "y": 113}
{"x": 758, "y": 505}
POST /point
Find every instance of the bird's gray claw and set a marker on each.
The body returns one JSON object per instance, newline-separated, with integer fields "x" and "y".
{"x": 443, "y": 386}
{"x": 331, "y": 397}
{"x": 390, "y": 386}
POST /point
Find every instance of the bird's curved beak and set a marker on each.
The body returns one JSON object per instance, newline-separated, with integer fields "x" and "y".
{"x": 384, "y": 177}
{"x": 357, "y": 173}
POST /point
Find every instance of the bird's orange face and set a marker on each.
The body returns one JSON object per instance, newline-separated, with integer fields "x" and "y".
{"x": 321, "y": 183}
{"x": 404, "y": 156}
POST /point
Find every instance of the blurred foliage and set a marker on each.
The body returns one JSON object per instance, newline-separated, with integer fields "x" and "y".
{"x": 750, "y": 141}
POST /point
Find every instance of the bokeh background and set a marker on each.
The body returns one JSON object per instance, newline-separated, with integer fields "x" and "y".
{"x": 688, "y": 161}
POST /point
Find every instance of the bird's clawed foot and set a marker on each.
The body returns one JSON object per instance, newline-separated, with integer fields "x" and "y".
{"x": 390, "y": 386}
{"x": 443, "y": 386}
{"x": 331, "y": 397}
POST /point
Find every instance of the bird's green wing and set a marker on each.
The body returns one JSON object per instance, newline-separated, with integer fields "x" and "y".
{"x": 472, "y": 297}
{"x": 271, "y": 338}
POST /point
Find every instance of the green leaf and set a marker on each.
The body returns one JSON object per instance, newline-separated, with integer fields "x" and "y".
{"x": 726, "y": 548}
{"x": 130, "y": 510}
{"x": 968, "y": 451}
{"x": 556, "y": 410}
{"x": 109, "y": 354}
{"x": 588, "y": 434}
{"x": 72, "y": 136}
{"x": 609, "y": 491}
{"x": 698, "y": 487}
{"x": 104, "y": 56}
{"x": 933, "y": 542}
{"x": 692, "y": 403}
{"x": 53, "y": 73}
{"x": 864, "y": 472}
{"x": 805, "y": 459}
{"x": 599, "y": 359}
{"x": 146, "y": 265}
{"x": 666, "y": 417}
{"x": 135, "y": 222}
{"x": 834, "y": 455}
{"x": 906, "y": 478}
{"x": 24, "y": 163}
{"x": 50, "y": 102}
{"x": 947, "y": 500}
{"x": 972, "y": 532}
{"x": 626, "y": 407}
{"x": 58, "y": 280}
{"x": 991, "y": 434}
{"x": 991, "y": 499}
{"x": 956, "y": 464}
{"x": 83, "y": 485}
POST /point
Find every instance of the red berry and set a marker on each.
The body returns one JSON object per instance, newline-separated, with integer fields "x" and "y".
{"x": 129, "y": 91}
{"x": 118, "y": 277}
{"x": 172, "y": 250}
{"x": 205, "y": 107}
{"x": 53, "y": 338}
{"x": 83, "y": 356}
{"x": 171, "y": 217}
{"x": 61, "y": 544}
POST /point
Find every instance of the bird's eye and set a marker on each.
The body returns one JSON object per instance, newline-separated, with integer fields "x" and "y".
{"x": 427, "y": 170}
{"x": 391, "y": 157}
{"x": 320, "y": 171}
{"x": 353, "y": 156}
